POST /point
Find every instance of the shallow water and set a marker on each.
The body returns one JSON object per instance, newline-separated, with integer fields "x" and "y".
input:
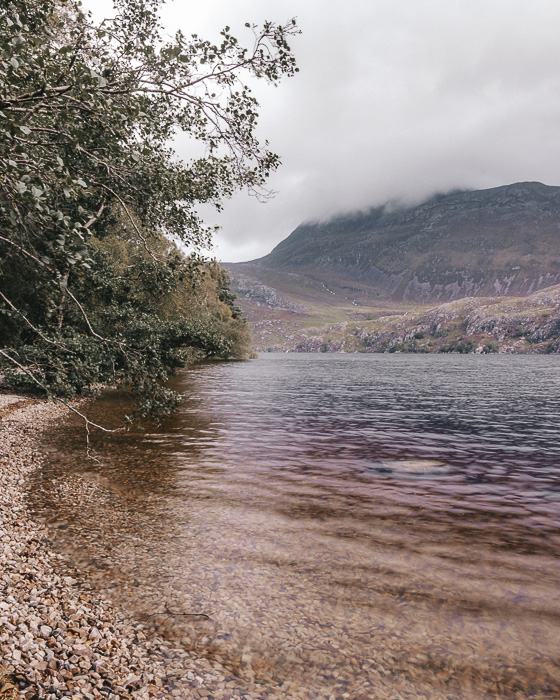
{"x": 354, "y": 526}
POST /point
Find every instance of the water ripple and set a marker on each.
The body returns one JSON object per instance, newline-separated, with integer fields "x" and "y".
{"x": 357, "y": 525}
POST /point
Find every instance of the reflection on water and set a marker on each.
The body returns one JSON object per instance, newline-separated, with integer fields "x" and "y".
{"x": 355, "y": 526}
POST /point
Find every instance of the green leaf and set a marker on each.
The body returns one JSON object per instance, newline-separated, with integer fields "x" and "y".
{"x": 86, "y": 151}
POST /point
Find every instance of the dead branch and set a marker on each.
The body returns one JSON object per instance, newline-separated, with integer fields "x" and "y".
{"x": 169, "y": 613}
{"x": 87, "y": 421}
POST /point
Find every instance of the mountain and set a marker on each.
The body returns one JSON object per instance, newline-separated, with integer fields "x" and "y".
{"x": 490, "y": 243}
{"x": 504, "y": 240}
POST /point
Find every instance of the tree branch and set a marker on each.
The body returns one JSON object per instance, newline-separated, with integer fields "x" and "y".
{"x": 44, "y": 337}
{"x": 25, "y": 252}
{"x": 138, "y": 232}
{"x": 86, "y": 420}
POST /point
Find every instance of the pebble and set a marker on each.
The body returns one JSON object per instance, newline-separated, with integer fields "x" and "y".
{"x": 58, "y": 637}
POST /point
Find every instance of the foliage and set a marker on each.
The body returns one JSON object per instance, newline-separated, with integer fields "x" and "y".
{"x": 463, "y": 347}
{"x": 91, "y": 290}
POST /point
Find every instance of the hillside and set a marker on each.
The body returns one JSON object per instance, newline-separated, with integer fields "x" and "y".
{"x": 481, "y": 245}
{"x": 473, "y": 325}
{"x": 503, "y": 240}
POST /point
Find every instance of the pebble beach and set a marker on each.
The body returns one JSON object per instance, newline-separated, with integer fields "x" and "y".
{"x": 58, "y": 637}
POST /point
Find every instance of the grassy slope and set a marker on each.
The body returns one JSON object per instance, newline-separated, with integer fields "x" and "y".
{"x": 320, "y": 300}
{"x": 338, "y": 318}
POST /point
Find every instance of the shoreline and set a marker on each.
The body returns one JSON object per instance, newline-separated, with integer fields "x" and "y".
{"x": 413, "y": 625}
{"x": 59, "y": 638}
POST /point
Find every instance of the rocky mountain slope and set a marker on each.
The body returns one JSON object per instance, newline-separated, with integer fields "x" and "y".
{"x": 390, "y": 262}
{"x": 504, "y": 240}
{"x": 526, "y": 325}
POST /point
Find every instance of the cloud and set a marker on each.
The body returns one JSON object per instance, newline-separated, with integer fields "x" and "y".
{"x": 395, "y": 100}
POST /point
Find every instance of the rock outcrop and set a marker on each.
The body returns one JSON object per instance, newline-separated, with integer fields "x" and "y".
{"x": 473, "y": 325}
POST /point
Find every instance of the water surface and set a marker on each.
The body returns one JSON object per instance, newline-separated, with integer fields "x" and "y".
{"x": 353, "y": 526}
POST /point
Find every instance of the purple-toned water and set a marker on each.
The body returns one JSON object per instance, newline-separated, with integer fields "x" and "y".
{"x": 355, "y": 526}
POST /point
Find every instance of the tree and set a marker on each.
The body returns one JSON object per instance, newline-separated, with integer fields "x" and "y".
{"x": 92, "y": 194}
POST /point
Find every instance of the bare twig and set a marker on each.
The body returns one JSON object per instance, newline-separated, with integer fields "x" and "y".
{"x": 169, "y": 613}
{"x": 25, "y": 252}
{"x": 86, "y": 420}
{"x": 106, "y": 342}
{"x": 96, "y": 335}
{"x": 138, "y": 232}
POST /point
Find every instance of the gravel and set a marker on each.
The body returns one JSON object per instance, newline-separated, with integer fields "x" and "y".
{"x": 58, "y": 637}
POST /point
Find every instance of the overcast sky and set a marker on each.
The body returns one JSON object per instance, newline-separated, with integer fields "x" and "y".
{"x": 395, "y": 99}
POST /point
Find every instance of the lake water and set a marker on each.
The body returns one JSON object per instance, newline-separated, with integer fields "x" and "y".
{"x": 353, "y": 526}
